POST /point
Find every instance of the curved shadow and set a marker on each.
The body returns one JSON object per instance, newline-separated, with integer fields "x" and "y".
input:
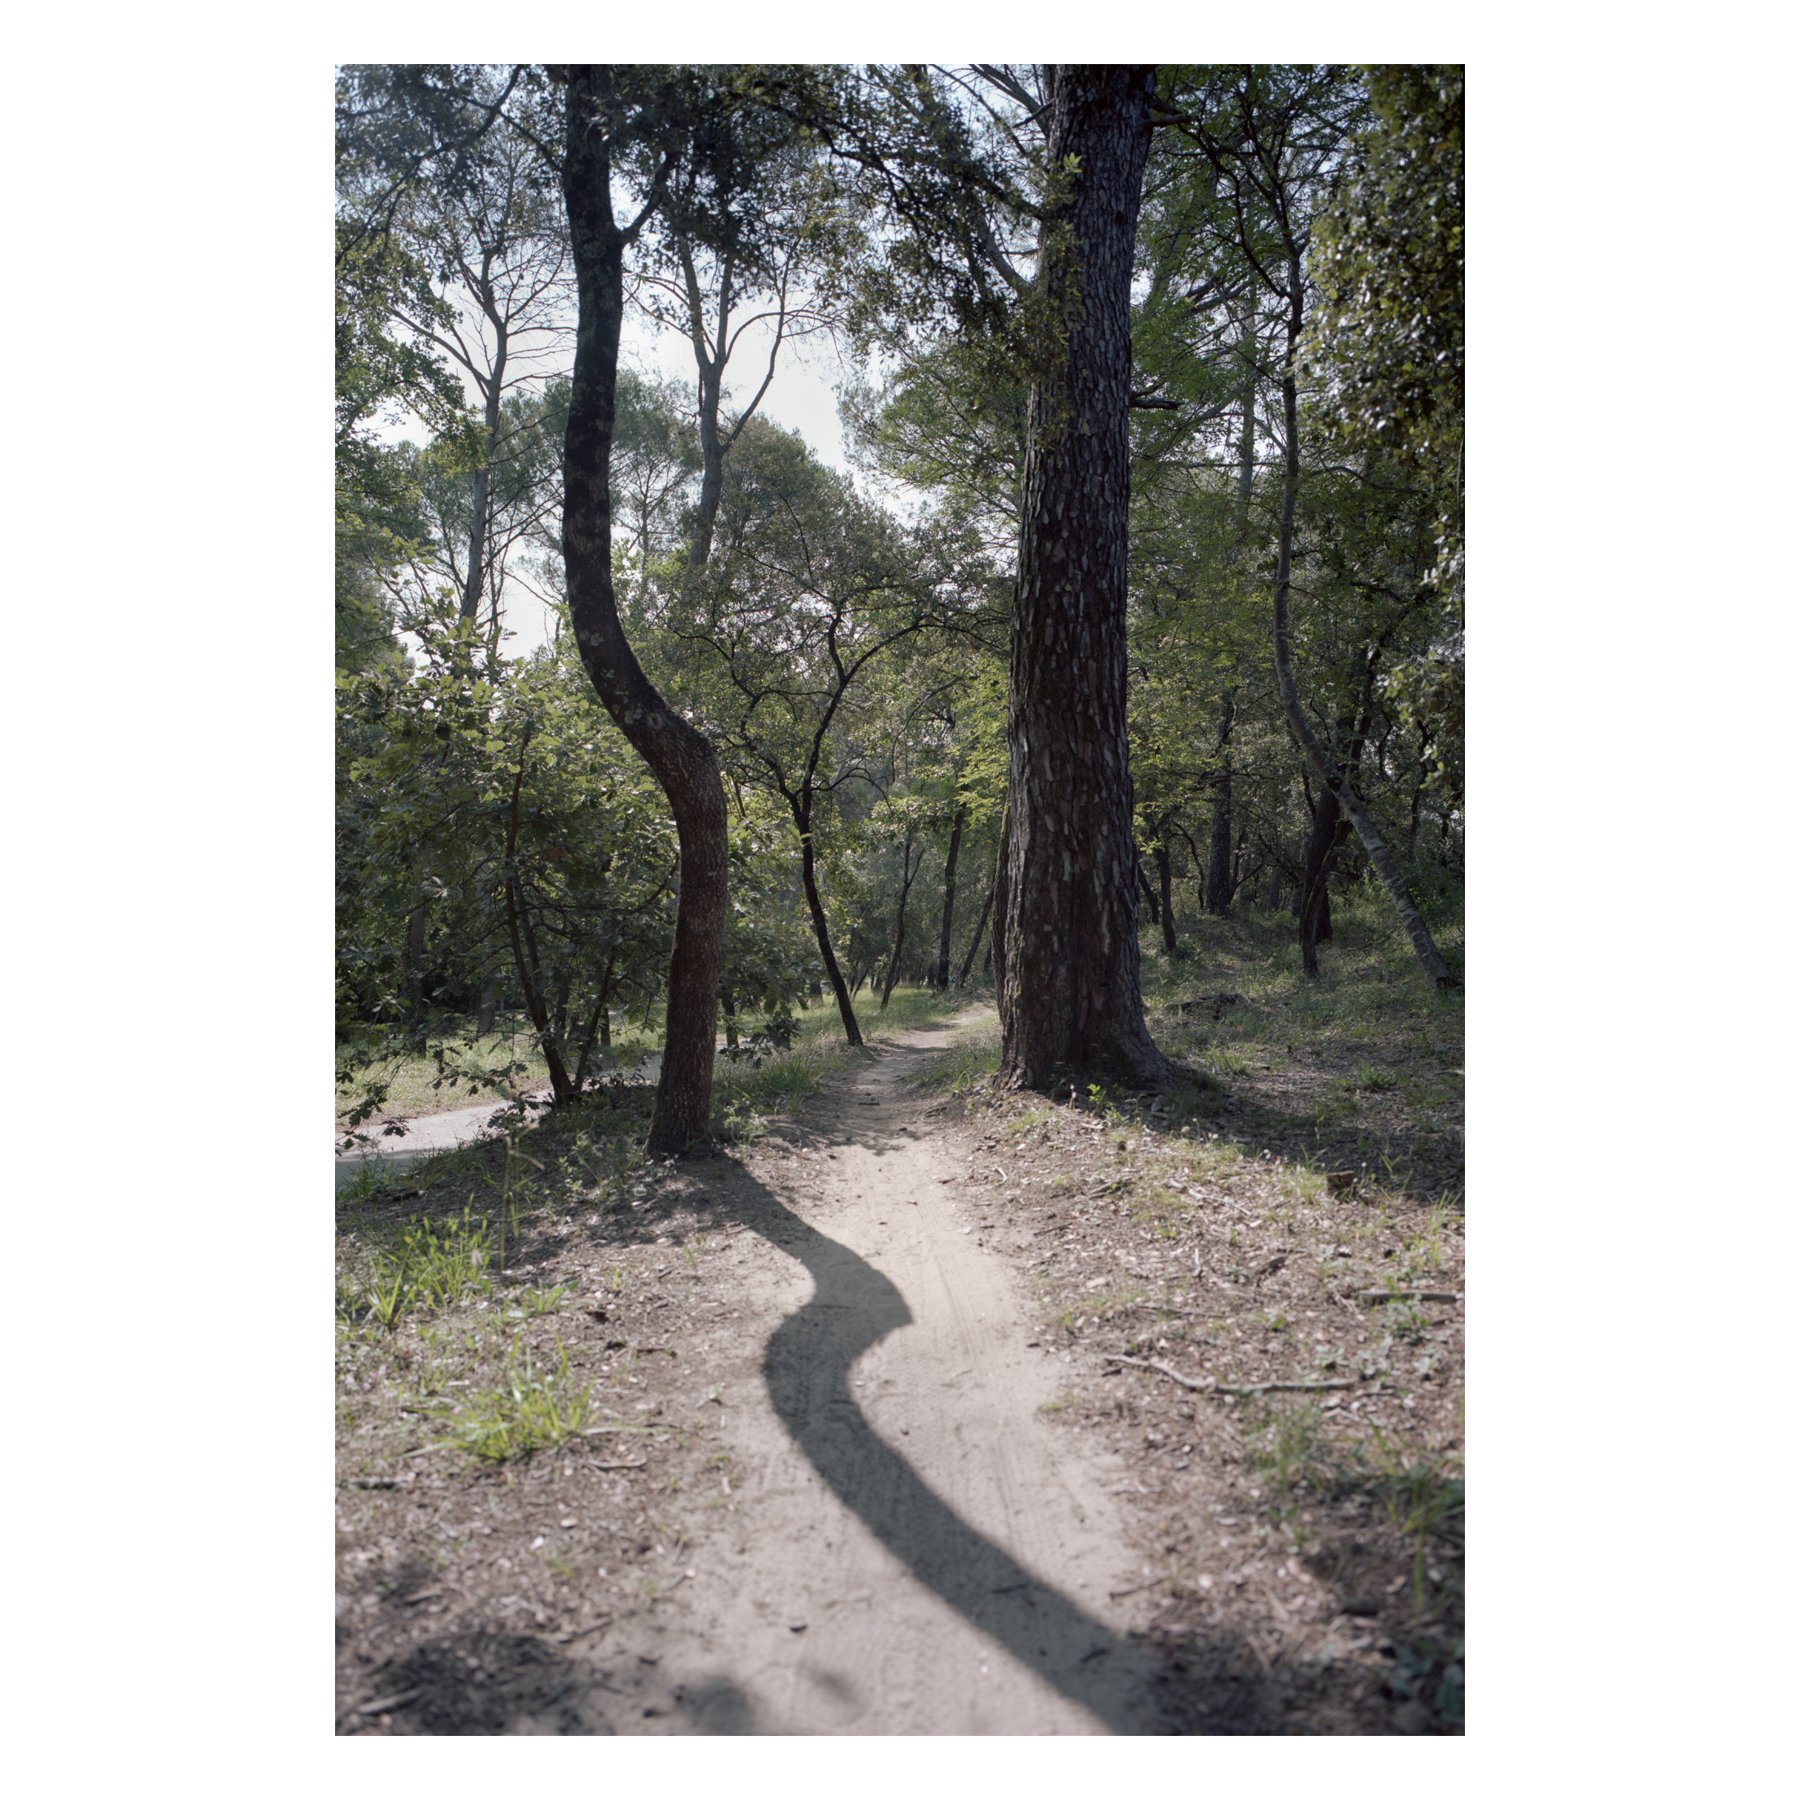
{"x": 806, "y": 1367}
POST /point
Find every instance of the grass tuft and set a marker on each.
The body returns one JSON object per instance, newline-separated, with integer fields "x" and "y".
{"x": 434, "y": 1265}
{"x": 532, "y": 1410}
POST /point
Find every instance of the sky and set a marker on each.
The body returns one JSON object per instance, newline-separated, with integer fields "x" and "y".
{"x": 802, "y": 396}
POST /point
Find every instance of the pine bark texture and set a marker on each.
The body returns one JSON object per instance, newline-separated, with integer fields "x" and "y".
{"x": 682, "y": 761}
{"x": 1069, "y": 998}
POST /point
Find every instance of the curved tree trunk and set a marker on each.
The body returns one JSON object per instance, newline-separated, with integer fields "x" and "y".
{"x": 1070, "y": 1001}
{"x": 682, "y": 760}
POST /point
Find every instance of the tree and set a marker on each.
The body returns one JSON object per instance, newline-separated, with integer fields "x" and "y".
{"x": 1386, "y": 339}
{"x": 1273, "y": 142}
{"x": 807, "y": 587}
{"x": 1070, "y": 1000}
{"x": 601, "y": 119}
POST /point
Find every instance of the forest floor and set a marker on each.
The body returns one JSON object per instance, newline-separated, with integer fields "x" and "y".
{"x": 898, "y": 1415}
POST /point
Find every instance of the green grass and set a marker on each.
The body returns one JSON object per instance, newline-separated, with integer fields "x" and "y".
{"x": 908, "y": 1007}
{"x": 747, "y": 1095}
{"x": 532, "y": 1409}
{"x": 502, "y": 1065}
{"x": 433, "y": 1265}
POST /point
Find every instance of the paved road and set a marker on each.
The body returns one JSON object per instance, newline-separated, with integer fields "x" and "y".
{"x": 433, "y": 1133}
{"x": 423, "y": 1137}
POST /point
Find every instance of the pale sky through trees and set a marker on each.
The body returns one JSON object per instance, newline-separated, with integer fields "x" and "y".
{"x": 802, "y": 396}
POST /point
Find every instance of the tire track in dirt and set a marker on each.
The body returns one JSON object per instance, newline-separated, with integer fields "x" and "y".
{"x": 915, "y": 1552}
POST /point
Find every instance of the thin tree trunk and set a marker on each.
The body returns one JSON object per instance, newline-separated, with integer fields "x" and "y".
{"x": 481, "y": 484}
{"x": 415, "y": 966}
{"x": 598, "y": 1023}
{"x": 968, "y": 962}
{"x": 728, "y": 1005}
{"x": 908, "y": 869}
{"x": 1218, "y": 850}
{"x": 1144, "y": 888}
{"x": 524, "y": 947}
{"x": 942, "y": 979}
{"x": 995, "y": 959}
{"x": 1313, "y": 905}
{"x": 681, "y": 759}
{"x": 1423, "y": 946}
{"x": 1165, "y": 884}
{"x": 815, "y": 906}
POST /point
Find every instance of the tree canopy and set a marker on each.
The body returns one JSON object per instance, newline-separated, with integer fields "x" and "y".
{"x": 1142, "y": 602}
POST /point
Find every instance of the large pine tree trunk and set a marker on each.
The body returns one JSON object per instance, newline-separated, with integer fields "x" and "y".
{"x": 679, "y": 757}
{"x": 1070, "y": 1000}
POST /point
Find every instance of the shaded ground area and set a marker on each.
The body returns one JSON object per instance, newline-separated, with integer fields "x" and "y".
{"x": 827, "y": 1437}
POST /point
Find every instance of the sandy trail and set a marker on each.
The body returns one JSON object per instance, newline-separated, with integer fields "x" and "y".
{"x": 912, "y": 1550}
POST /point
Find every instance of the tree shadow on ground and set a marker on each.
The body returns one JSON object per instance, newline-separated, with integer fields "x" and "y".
{"x": 1125, "y": 1683}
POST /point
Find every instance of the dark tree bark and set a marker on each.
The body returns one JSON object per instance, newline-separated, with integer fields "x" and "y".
{"x": 995, "y": 960}
{"x": 1218, "y": 850}
{"x": 968, "y": 962}
{"x": 1165, "y": 886}
{"x": 681, "y": 759}
{"x": 1219, "y": 883}
{"x": 481, "y": 483}
{"x": 1313, "y": 904}
{"x": 1383, "y": 863}
{"x": 1144, "y": 888}
{"x": 415, "y": 966}
{"x": 1325, "y": 842}
{"x": 599, "y": 1025}
{"x": 800, "y": 805}
{"x": 1070, "y": 1001}
{"x": 527, "y": 964}
{"x": 942, "y": 979}
{"x": 908, "y": 870}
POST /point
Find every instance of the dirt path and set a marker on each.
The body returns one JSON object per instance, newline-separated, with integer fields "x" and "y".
{"x": 914, "y": 1553}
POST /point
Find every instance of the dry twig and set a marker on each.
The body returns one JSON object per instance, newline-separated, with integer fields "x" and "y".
{"x": 1219, "y": 1387}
